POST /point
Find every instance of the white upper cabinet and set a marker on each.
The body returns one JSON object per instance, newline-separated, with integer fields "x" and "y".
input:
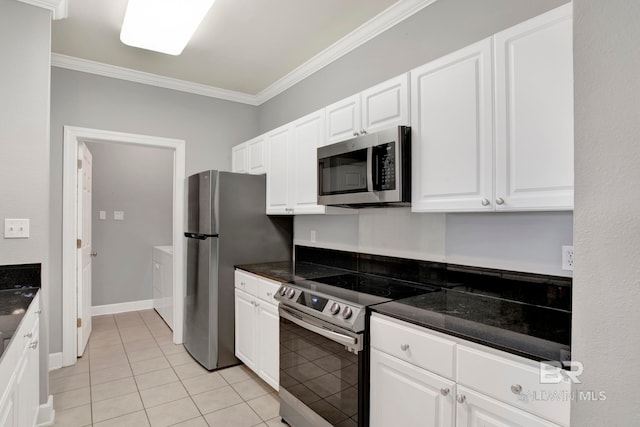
{"x": 249, "y": 157}
{"x": 279, "y": 154}
{"x": 307, "y": 135}
{"x": 452, "y": 132}
{"x": 239, "y": 158}
{"x": 459, "y": 164}
{"x": 382, "y": 106}
{"x": 534, "y": 113}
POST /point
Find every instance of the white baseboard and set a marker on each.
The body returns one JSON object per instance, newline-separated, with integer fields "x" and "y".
{"x": 98, "y": 310}
{"x": 55, "y": 361}
{"x": 46, "y": 413}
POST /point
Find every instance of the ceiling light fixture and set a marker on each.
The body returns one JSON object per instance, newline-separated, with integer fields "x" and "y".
{"x": 162, "y": 25}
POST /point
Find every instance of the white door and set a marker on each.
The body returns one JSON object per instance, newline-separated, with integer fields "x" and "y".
{"x": 405, "y": 395}
{"x": 477, "y": 410}
{"x": 534, "y": 113}
{"x": 256, "y": 156}
{"x": 308, "y": 135}
{"x": 386, "y": 105}
{"x": 452, "y": 134}
{"x": 268, "y": 331}
{"x": 239, "y": 158}
{"x": 343, "y": 119}
{"x": 278, "y": 163}
{"x": 245, "y": 331}
{"x": 85, "y": 254}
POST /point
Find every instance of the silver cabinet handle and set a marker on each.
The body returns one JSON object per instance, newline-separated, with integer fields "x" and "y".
{"x": 269, "y": 294}
{"x": 485, "y": 202}
{"x": 38, "y": 311}
{"x": 516, "y": 389}
{"x": 28, "y": 335}
{"x": 33, "y": 344}
{"x": 461, "y": 398}
{"x": 499, "y": 201}
{"x": 242, "y": 284}
{"x": 404, "y": 347}
{"x": 362, "y": 132}
{"x": 93, "y": 254}
{"x": 444, "y": 391}
{"x": 355, "y": 133}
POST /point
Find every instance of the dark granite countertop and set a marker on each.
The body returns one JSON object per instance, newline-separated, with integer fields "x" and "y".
{"x": 287, "y": 271}
{"x": 532, "y": 331}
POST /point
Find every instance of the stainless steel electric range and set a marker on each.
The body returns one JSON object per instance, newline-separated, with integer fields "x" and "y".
{"x": 324, "y": 374}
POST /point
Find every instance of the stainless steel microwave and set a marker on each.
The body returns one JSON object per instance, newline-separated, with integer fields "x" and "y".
{"x": 372, "y": 169}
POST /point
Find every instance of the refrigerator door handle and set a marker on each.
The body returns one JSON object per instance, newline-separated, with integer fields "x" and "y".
{"x": 200, "y": 236}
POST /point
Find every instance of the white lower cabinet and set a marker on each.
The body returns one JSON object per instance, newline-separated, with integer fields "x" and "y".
{"x": 162, "y": 278}
{"x": 487, "y": 387}
{"x": 257, "y": 326}
{"x": 20, "y": 372}
{"x": 404, "y": 395}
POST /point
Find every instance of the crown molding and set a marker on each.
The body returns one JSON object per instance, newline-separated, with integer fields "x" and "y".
{"x": 367, "y": 31}
{"x": 58, "y": 7}
{"x": 101, "y": 69}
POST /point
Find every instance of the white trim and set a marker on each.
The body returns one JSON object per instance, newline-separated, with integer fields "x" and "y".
{"x": 72, "y": 135}
{"x": 377, "y": 25}
{"x": 113, "y": 71}
{"x": 58, "y": 7}
{"x": 55, "y": 361}
{"x": 46, "y": 414}
{"x": 367, "y": 31}
{"x": 123, "y": 307}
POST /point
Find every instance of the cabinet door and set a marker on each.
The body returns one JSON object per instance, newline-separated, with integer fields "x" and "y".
{"x": 452, "y": 133}
{"x": 268, "y": 334}
{"x": 477, "y": 410}
{"x": 27, "y": 381}
{"x": 534, "y": 113}
{"x": 386, "y": 105}
{"x": 308, "y": 135}
{"x": 343, "y": 119}
{"x": 239, "y": 158}
{"x": 405, "y": 395}
{"x": 278, "y": 161}
{"x": 157, "y": 285}
{"x": 245, "y": 333}
{"x": 256, "y": 156}
{"x": 8, "y": 406}
{"x": 167, "y": 288}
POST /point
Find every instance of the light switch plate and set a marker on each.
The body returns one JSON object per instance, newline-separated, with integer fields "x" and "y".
{"x": 103, "y": 215}
{"x": 118, "y": 215}
{"x": 16, "y": 228}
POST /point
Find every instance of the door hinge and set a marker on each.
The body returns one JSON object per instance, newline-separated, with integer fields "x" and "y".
{"x": 78, "y": 243}
{"x": 79, "y": 322}
{"x": 79, "y": 164}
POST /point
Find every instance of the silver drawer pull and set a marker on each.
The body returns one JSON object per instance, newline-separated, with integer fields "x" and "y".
{"x": 28, "y": 335}
{"x": 404, "y": 347}
{"x": 269, "y": 294}
{"x": 461, "y": 398}
{"x": 33, "y": 344}
{"x": 38, "y": 311}
{"x": 516, "y": 389}
{"x": 444, "y": 391}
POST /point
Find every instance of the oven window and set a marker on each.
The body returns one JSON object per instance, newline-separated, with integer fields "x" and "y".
{"x": 319, "y": 372}
{"x": 343, "y": 173}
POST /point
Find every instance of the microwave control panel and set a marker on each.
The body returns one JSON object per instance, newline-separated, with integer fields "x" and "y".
{"x": 384, "y": 163}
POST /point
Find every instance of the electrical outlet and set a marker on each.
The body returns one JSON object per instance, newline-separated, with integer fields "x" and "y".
{"x": 567, "y": 258}
{"x": 313, "y": 236}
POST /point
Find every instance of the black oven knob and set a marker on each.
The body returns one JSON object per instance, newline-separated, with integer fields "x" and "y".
{"x": 291, "y": 293}
{"x": 283, "y": 290}
{"x": 347, "y": 312}
{"x": 335, "y": 308}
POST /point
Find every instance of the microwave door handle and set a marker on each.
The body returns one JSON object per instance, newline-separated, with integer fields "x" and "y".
{"x": 370, "y": 166}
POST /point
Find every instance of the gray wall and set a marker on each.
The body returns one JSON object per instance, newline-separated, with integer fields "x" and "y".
{"x": 607, "y": 204}
{"x": 209, "y": 126}
{"x": 138, "y": 181}
{"x": 25, "y": 37}
{"x": 438, "y": 29}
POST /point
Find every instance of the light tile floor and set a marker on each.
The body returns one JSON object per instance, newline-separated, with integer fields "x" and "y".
{"x": 133, "y": 375}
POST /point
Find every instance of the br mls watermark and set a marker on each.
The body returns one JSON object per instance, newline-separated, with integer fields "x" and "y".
{"x": 553, "y": 372}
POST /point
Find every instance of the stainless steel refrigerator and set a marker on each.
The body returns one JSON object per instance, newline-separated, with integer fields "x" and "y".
{"x": 227, "y": 226}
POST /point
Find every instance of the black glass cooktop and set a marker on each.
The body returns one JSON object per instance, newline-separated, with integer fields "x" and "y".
{"x": 384, "y": 288}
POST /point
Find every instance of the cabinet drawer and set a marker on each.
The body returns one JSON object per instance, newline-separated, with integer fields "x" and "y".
{"x": 413, "y": 344}
{"x": 267, "y": 290}
{"x": 246, "y": 281}
{"x": 513, "y": 382}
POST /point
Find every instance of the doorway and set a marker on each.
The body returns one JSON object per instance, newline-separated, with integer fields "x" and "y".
{"x": 73, "y": 137}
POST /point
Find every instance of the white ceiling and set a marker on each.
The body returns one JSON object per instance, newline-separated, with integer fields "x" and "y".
{"x": 244, "y": 46}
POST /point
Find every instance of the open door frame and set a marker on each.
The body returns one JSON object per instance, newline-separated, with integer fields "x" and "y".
{"x": 72, "y": 135}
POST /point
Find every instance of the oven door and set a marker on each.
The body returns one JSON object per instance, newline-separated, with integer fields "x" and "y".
{"x": 321, "y": 367}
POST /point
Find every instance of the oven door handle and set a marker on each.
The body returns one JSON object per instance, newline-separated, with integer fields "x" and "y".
{"x": 354, "y": 344}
